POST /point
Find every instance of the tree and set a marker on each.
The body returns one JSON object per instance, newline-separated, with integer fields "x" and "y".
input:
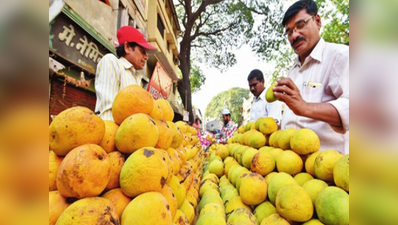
{"x": 231, "y": 99}
{"x": 211, "y": 28}
{"x": 197, "y": 78}
{"x": 337, "y": 30}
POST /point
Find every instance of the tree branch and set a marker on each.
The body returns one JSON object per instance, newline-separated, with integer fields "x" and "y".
{"x": 215, "y": 32}
{"x": 202, "y": 7}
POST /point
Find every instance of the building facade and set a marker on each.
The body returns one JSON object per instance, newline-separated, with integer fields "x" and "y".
{"x": 81, "y": 32}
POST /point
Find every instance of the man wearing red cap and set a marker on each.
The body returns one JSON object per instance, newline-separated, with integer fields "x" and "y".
{"x": 113, "y": 73}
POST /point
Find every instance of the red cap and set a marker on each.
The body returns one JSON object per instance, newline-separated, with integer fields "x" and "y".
{"x": 130, "y": 34}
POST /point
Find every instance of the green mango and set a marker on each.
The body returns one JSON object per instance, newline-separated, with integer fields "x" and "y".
{"x": 269, "y": 96}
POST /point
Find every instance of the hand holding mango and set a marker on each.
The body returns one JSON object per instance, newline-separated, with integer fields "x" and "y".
{"x": 269, "y": 96}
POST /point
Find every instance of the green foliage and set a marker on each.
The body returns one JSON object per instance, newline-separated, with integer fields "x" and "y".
{"x": 231, "y": 99}
{"x": 337, "y": 30}
{"x": 375, "y": 21}
{"x": 197, "y": 78}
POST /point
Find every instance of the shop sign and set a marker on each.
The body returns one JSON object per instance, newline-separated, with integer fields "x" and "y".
{"x": 72, "y": 42}
{"x": 186, "y": 116}
{"x": 160, "y": 84}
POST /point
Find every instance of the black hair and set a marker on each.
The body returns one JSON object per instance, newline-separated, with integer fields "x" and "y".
{"x": 197, "y": 118}
{"x": 309, "y": 5}
{"x": 120, "y": 49}
{"x": 256, "y": 74}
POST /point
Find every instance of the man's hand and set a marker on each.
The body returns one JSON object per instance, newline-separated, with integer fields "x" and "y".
{"x": 289, "y": 93}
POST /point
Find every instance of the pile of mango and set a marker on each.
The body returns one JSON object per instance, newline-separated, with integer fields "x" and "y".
{"x": 140, "y": 168}
{"x": 270, "y": 176}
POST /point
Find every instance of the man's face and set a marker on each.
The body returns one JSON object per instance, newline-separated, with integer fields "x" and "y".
{"x": 303, "y": 32}
{"x": 137, "y": 56}
{"x": 256, "y": 87}
{"x": 225, "y": 118}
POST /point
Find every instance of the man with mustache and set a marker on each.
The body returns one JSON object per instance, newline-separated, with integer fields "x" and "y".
{"x": 316, "y": 91}
{"x": 113, "y": 74}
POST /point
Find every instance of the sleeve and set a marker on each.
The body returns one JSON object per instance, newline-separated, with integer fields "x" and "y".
{"x": 341, "y": 90}
{"x": 107, "y": 83}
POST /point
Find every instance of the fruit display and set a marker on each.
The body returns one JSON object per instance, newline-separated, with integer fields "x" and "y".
{"x": 141, "y": 169}
{"x": 268, "y": 176}
{"x": 145, "y": 169}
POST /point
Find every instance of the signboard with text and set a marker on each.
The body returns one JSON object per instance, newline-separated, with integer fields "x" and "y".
{"x": 160, "y": 84}
{"x": 69, "y": 40}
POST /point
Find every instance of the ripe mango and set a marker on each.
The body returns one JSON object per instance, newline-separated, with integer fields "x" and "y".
{"x": 90, "y": 211}
{"x": 269, "y": 95}
{"x": 74, "y": 127}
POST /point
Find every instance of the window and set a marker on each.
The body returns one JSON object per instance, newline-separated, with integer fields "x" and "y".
{"x": 121, "y": 15}
{"x": 161, "y": 26}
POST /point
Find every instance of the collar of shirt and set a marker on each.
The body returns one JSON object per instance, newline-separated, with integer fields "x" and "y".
{"x": 316, "y": 53}
{"x": 127, "y": 65}
{"x": 261, "y": 96}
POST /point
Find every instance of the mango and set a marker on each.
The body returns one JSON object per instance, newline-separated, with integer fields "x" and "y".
{"x": 269, "y": 95}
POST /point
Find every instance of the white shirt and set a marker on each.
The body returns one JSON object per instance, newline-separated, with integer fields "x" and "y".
{"x": 323, "y": 77}
{"x": 262, "y": 108}
{"x": 111, "y": 76}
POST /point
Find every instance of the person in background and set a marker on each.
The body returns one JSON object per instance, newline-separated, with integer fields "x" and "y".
{"x": 316, "y": 91}
{"x": 228, "y": 129}
{"x": 260, "y": 107}
{"x": 197, "y": 125}
{"x": 113, "y": 73}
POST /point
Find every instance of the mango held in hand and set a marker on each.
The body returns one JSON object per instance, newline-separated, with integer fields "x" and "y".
{"x": 269, "y": 96}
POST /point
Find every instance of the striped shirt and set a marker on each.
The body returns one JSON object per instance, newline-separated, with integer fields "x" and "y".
{"x": 227, "y": 131}
{"x": 112, "y": 75}
{"x": 323, "y": 77}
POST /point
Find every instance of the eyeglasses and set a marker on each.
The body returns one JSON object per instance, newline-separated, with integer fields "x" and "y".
{"x": 298, "y": 27}
{"x": 142, "y": 50}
